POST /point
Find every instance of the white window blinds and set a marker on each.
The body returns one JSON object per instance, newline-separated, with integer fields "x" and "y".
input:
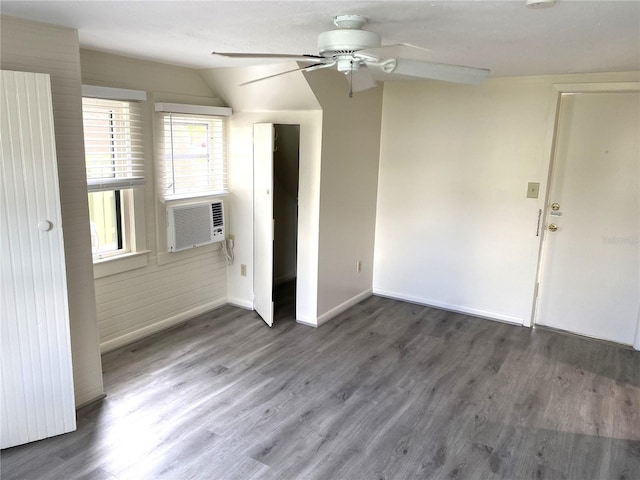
{"x": 113, "y": 144}
{"x": 192, "y": 153}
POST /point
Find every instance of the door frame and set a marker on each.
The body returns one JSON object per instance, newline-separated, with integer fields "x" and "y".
{"x": 553, "y": 122}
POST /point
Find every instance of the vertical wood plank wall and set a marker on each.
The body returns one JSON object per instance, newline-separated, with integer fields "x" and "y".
{"x": 37, "y": 47}
{"x": 37, "y": 376}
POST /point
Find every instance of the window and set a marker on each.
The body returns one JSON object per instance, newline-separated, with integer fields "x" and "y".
{"x": 114, "y": 156}
{"x": 192, "y": 153}
{"x": 105, "y": 214}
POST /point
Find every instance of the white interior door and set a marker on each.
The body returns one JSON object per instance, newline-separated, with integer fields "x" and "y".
{"x": 263, "y": 220}
{"x": 590, "y": 276}
{"x": 37, "y": 379}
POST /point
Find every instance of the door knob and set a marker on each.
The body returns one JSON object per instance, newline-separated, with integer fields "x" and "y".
{"x": 45, "y": 225}
{"x": 552, "y": 227}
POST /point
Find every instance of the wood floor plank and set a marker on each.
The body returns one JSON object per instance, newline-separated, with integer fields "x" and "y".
{"x": 387, "y": 390}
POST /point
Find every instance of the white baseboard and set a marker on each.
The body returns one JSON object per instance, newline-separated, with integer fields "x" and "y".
{"x": 93, "y": 400}
{"x": 309, "y": 322}
{"x": 325, "y": 317}
{"x": 240, "y": 302}
{"x": 143, "y": 332}
{"x": 335, "y": 311}
{"x": 636, "y": 343}
{"x": 450, "y": 307}
{"x": 86, "y": 394}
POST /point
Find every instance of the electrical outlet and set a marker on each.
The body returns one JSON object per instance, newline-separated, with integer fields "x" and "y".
{"x": 359, "y": 266}
{"x": 243, "y": 270}
{"x": 232, "y": 237}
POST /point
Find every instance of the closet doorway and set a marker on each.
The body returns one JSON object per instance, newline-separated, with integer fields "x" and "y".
{"x": 276, "y": 184}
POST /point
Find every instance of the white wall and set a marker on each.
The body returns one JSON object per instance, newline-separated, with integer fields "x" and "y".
{"x": 173, "y": 287}
{"x": 454, "y": 227}
{"x": 339, "y": 152}
{"x": 284, "y": 100}
{"x": 286, "y": 93}
{"x": 37, "y": 47}
{"x": 348, "y": 189}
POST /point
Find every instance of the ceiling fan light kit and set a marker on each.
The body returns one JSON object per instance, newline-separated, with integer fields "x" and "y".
{"x": 357, "y": 53}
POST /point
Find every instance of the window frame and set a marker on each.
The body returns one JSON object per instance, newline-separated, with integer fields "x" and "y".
{"x": 196, "y": 113}
{"x": 132, "y": 198}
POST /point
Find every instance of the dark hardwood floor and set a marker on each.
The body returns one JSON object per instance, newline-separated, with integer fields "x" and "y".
{"x": 388, "y": 390}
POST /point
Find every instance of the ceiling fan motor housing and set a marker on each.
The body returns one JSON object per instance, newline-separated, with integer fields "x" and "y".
{"x": 340, "y": 45}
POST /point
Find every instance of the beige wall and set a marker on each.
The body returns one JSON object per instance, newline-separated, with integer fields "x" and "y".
{"x": 289, "y": 92}
{"x": 36, "y": 47}
{"x": 171, "y": 287}
{"x": 348, "y": 189}
{"x": 285, "y": 100}
{"x": 454, "y": 227}
{"x": 282, "y": 93}
{"x": 339, "y": 151}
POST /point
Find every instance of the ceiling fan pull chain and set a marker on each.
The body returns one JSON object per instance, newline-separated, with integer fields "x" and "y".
{"x": 351, "y": 81}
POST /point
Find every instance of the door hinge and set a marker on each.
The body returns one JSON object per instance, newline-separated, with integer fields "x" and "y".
{"x": 537, "y": 290}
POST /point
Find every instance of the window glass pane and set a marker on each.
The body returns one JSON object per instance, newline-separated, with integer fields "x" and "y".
{"x": 191, "y": 157}
{"x": 192, "y": 153}
{"x": 106, "y": 226}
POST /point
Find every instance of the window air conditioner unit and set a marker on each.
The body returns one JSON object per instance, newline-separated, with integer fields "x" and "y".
{"x": 194, "y": 224}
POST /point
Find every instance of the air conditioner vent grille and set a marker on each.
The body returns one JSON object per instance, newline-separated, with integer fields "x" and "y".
{"x": 217, "y": 215}
{"x": 194, "y": 224}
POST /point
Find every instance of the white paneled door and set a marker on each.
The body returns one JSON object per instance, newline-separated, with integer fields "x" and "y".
{"x": 590, "y": 276}
{"x": 37, "y": 381}
{"x": 263, "y": 142}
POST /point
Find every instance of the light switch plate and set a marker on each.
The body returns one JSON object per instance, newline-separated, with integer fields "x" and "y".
{"x": 532, "y": 189}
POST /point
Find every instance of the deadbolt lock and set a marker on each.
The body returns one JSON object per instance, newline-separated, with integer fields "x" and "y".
{"x": 552, "y": 227}
{"x": 555, "y": 207}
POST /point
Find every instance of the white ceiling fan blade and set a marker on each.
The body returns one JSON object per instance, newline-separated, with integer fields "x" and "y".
{"x": 400, "y": 50}
{"x": 304, "y": 57}
{"x": 440, "y": 71}
{"x": 361, "y": 80}
{"x": 308, "y": 68}
{"x": 318, "y": 66}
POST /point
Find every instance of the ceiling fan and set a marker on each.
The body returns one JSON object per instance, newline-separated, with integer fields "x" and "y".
{"x": 360, "y": 55}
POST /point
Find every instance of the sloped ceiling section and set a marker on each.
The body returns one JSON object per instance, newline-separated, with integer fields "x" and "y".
{"x": 282, "y": 93}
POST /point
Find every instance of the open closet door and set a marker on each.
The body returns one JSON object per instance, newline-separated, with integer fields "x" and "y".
{"x": 263, "y": 220}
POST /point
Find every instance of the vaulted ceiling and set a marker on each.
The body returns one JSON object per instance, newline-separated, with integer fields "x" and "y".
{"x": 504, "y": 36}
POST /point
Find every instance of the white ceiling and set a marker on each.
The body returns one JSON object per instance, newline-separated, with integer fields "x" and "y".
{"x": 504, "y": 36}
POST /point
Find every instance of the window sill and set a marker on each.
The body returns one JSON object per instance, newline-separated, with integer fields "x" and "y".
{"x": 194, "y": 196}
{"x": 105, "y": 267}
